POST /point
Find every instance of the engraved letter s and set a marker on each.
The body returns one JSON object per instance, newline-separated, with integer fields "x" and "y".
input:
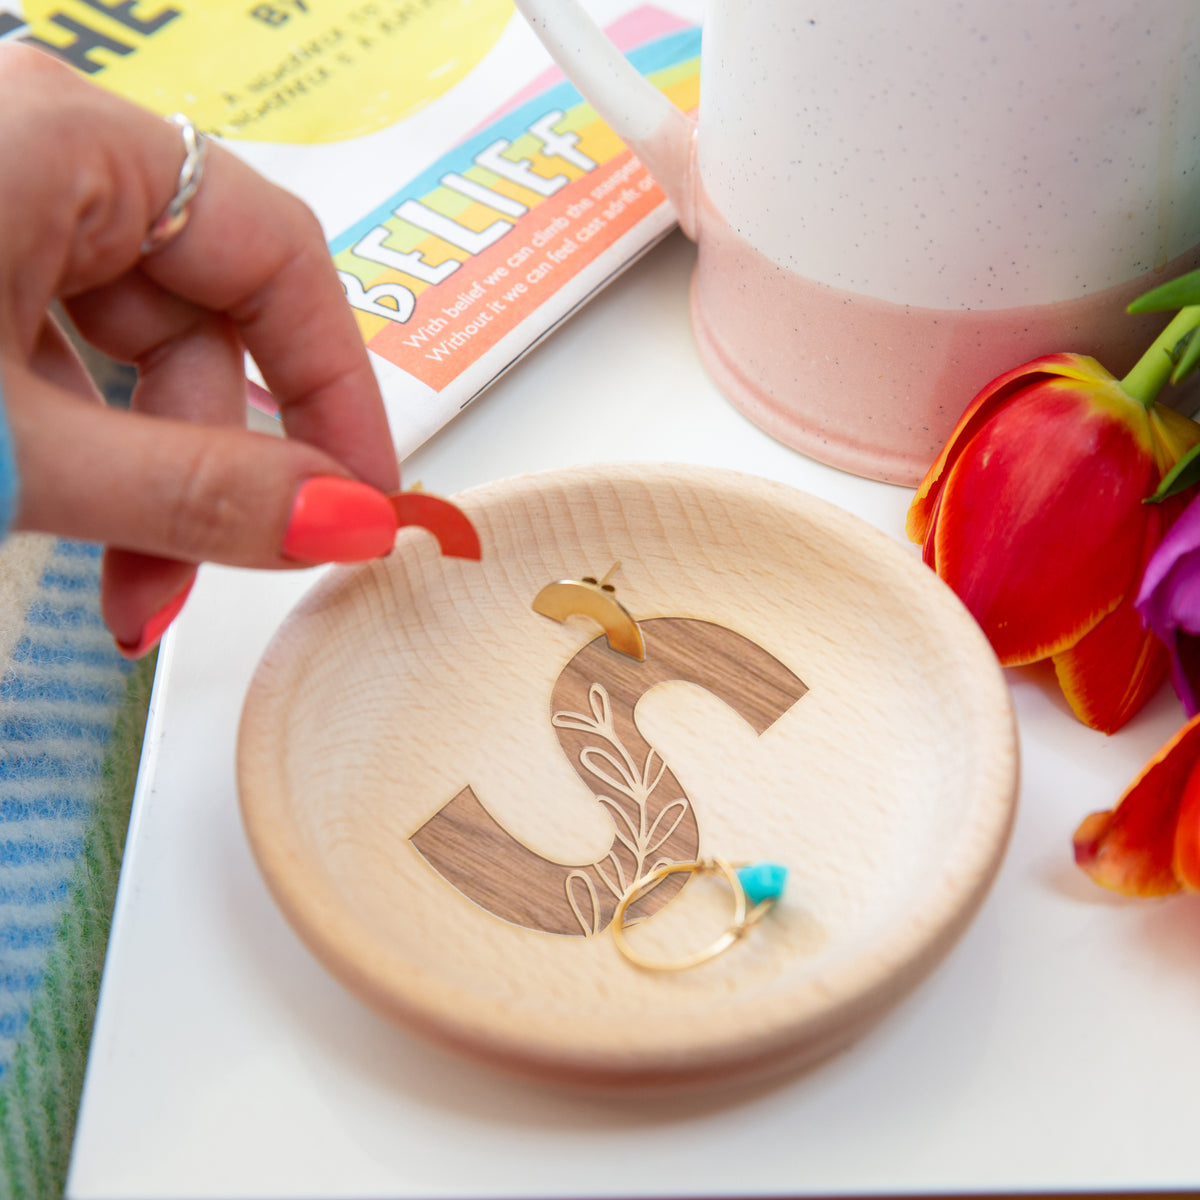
{"x": 592, "y": 707}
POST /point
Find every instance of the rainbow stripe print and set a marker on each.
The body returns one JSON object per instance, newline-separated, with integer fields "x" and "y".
{"x": 460, "y": 256}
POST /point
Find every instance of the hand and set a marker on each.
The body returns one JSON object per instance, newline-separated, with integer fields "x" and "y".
{"x": 178, "y": 479}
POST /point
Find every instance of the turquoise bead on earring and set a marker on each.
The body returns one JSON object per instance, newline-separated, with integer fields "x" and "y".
{"x": 762, "y": 881}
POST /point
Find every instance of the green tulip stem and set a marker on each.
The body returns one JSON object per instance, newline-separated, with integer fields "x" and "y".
{"x": 1154, "y": 368}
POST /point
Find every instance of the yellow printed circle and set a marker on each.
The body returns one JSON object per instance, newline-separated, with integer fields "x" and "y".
{"x": 298, "y": 71}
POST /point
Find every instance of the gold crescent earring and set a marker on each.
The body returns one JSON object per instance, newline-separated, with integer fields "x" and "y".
{"x": 595, "y": 599}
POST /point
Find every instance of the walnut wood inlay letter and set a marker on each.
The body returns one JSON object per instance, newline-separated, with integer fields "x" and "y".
{"x": 592, "y": 708}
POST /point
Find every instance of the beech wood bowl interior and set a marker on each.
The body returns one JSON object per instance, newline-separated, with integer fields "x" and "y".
{"x": 447, "y": 792}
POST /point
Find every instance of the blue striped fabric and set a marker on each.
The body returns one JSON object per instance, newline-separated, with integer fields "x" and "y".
{"x": 59, "y": 699}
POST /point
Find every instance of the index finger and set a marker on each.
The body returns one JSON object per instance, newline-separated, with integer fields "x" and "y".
{"x": 258, "y": 254}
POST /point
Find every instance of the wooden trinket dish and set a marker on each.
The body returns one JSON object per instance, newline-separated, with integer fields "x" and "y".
{"x": 448, "y": 793}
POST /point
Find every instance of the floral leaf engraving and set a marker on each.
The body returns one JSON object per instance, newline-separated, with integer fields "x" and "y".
{"x": 589, "y": 925}
{"x": 642, "y": 822}
{"x": 654, "y": 838}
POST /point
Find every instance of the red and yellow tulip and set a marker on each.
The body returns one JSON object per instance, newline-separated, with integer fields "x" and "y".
{"x": 1034, "y": 515}
{"x": 1149, "y": 845}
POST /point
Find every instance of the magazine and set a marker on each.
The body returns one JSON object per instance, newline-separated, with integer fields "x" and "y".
{"x": 472, "y": 199}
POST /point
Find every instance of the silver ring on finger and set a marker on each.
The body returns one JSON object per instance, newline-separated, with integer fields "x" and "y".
{"x": 175, "y": 216}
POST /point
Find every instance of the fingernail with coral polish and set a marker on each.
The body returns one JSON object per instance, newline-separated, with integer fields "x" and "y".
{"x": 158, "y": 624}
{"x": 339, "y": 520}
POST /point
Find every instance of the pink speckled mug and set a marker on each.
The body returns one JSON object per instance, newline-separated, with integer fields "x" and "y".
{"x": 895, "y": 202}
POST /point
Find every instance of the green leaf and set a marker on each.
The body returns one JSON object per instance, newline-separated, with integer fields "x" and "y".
{"x": 1179, "y": 478}
{"x": 1178, "y": 293}
{"x": 1187, "y": 356}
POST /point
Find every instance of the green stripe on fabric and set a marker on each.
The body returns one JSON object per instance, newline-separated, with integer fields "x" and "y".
{"x": 40, "y": 1097}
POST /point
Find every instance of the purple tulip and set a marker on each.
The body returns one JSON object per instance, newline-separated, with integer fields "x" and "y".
{"x": 1169, "y": 602}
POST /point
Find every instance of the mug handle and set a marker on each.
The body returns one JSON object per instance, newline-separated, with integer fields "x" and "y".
{"x": 662, "y": 136}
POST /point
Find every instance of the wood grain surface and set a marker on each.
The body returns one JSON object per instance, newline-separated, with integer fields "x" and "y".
{"x": 446, "y": 792}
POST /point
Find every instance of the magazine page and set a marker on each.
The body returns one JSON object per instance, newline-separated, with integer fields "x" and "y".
{"x": 472, "y": 199}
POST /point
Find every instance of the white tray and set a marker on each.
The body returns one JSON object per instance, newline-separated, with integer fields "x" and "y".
{"x": 1057, "y": 1046}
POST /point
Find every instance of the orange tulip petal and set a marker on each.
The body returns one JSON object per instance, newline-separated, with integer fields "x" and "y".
{"x": 1186, "y": 860}
{"x": 1132, "y": 848}
{"x": 1112, "y": 670}
{"x": 1041, "y": 523}
{"x": 1174, "y": 433}
{"x": 1117, "y": 666}
{"x": 981, "y": 410}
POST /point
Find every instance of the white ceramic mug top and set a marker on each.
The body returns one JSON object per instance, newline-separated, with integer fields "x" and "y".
{"x": 965, "y": 158}
{"x": 978, "y": 154}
